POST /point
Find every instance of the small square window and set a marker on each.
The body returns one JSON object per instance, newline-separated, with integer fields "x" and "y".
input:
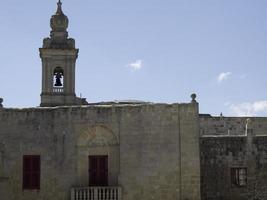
{"x": 239, "y": 176}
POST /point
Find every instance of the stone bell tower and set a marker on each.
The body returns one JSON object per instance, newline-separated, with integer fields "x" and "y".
{"x": 58, "y": 56}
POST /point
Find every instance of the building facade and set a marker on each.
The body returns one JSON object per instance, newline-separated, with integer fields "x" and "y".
{"x": 69, "y": 149}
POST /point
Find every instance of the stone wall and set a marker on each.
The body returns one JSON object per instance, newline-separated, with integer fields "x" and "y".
{"x": 210, "y": 125}
{"x": 153, "y": 149}
{"x": 228, "y": 143}
{"x": 159, "y": 152}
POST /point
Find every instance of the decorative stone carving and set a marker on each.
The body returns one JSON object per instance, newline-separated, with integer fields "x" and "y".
{"x": 97, "y": 136}
{"x": 46, "y": 43}
{"x": 193, "y": 97}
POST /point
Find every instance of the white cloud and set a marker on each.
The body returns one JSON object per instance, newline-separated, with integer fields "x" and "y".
{"x": 223, "y": 76}
{"x": 137, "y": 65}
{"x": 249, "y": 108}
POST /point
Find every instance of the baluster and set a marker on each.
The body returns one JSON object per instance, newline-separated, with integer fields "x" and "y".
{"x": 86, "y": 194}
{"x": 119, "y": 193}
{"x": 91, "y": 194}
{"x": 80, "y": 194}
{"x": 96, "y": 195}
{"x": 75, "y": 194}
{"x": 108, "y": 194}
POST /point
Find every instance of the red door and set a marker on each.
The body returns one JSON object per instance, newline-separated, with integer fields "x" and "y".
{"x": 98, "y": 170}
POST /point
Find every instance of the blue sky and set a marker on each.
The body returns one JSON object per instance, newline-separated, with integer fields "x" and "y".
{"x": 151, "y": 50}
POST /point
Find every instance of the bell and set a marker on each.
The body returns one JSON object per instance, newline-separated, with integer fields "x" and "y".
{"x": 58, "y": 80}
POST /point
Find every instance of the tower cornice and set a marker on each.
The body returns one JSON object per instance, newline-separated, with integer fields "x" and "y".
{"x": 58, "y": 52}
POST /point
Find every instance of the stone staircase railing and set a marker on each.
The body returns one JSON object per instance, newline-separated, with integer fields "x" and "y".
{"x": 96, "y": 193}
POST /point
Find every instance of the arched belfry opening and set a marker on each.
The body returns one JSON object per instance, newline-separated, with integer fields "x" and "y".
{"x": 58, "y": 79}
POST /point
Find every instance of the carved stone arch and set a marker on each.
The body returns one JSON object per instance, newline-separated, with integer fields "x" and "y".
{"x": 97, "y": 136}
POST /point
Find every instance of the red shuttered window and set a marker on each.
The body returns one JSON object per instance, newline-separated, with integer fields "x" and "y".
{"x": 98, "y": 170}
{"x": 31, "y": 172}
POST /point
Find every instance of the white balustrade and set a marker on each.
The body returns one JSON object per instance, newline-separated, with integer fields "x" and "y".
{"x": 96, "y": 193}
{"x": 58, "y": 90}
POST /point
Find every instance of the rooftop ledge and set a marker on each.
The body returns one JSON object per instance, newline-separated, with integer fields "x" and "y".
{"x": 108, "y": 104}
{"x": 230, "y": 136}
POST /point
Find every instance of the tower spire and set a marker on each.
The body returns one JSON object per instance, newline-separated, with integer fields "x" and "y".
{"x": 59, "y": 8}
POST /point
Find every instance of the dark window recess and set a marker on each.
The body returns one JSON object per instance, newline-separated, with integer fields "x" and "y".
{"x": 239, "y": 176}
{"x": 31, "y": 172}
{"x": 98, "y": 170}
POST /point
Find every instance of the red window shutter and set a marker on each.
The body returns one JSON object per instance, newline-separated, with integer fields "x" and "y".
{"x": 103, "y": 171}
{"x": 98, "y": 170}
{"x": 93, "y": 170}
{"x": 31, "y": 172}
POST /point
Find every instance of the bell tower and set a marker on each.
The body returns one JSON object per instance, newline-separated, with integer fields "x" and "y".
{"x": 58, "y": 56}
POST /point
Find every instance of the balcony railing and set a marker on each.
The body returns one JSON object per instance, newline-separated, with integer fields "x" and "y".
{"x": 96, "y": 193}
{"x": 58, "y": 90}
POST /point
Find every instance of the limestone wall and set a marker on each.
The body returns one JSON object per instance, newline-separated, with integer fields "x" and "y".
{"x": 232, "y": 142}
{"x": 153, "y": 149}
{"x": 220, "y": 154}
{"x": 210, "y": 125}
{"x": 159, "y": 152}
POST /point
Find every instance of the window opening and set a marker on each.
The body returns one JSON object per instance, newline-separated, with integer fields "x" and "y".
{"x": 31, "y": 172}
{"x": 98, "y": 170}
{"x": 239, "y": 176}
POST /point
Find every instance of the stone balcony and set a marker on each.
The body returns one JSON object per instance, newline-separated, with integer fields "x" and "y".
{"x": 96, "y": 193}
